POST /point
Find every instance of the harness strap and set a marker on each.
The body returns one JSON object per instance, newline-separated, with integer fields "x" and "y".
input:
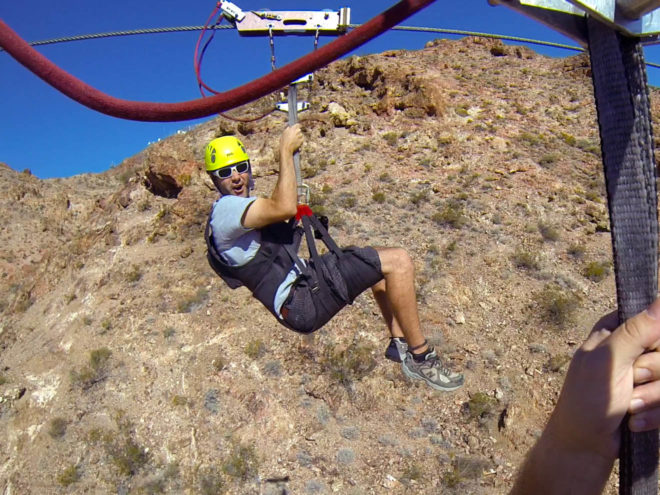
{"x": 622, "y": 101}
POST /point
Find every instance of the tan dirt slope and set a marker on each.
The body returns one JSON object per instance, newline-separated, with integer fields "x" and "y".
{"x": 126, "y": 366}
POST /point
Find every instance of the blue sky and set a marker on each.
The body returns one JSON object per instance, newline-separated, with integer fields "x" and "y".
{"x": 51, "y": 135}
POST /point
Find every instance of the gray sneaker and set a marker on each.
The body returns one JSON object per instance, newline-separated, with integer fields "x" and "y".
{"x": 432, "y": 371}
{"x": 396, "y": 350}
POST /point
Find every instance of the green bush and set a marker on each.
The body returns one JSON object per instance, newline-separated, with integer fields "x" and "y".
{"x": 242, "y": 463}
{"x": 69, "y": 476}
{"x": 557, "y": 362}
{"x": 99, "y": 357}
{"x": 188, "y": 304}
{"x": 211, "y": 482}
{"x": 525, "y": 260}
{"x": 450, "y": 214}
{"x": 128, "y": 457}
{"x": 351, "y": 364}
{"x": 480, "y": 406}
{"x": 548, "y": 159}
{"x": 391, "y": 138}
{"x": 548, "y": 232}
{"x": 57, "y": 427}
{"x": 94, "y": 372}
{"x": 419, "y": 197}
{"x": 597, "y": 270}
{"x": 347, "y": 200}
{"x": 557, "y": 306}
{"x": 134, "y": 274}
{"x": 576, "y": 250}
{"x": 255, "y": 349}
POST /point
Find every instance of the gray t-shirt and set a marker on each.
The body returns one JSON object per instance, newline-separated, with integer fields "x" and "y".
{"x": 238, "y": 245}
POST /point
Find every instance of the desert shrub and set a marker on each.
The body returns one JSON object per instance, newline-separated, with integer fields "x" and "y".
{"x": 128, "y": 457}
{"x": 450, "y": 214}
{"x": 391, "y": 138}
{"x": 597, "y": 270}
{"x": 548, "y": 232}
{"x": 273, "y": 368}
{"x": 99, "y": 357}
{"x": 557, "y": 362}
{"x": 569, "y": 139}
{"x": 378, "y": 197}
{"x": 94, "y": 372}
{"x": 529, "y": 138}
{"x": 347, "y": 200}
{"x": 191, "y": 302}
{"x": 525, "y": 260}
{"x": 576, "y": 250}
{"x": 557, "y": 306}
{"x": 419, "y": 197}
{"x": 480, "y": 406}
{"x": 134, "y": 274}
{"x": 461, "y": 111}
{"x": 69, "y": 476}
{"x": 548, "y": 159}
{"x": 463, "y": 469}
{"x": 316, "y": 199}
{"x": 218, "y": 363}
{"x": 255, "y": 349}
{"x": 445, "y": 139}
{"x": 412, "y": 472}
{"x": 351, "y": 364}
{"x": 308, "y": 172}
{"x": 211, "y": 482}
{"x": 242, "y": 463}
{"x": 426, "y": 162}
{"x": 57, "y": 427}
{"x": 588, "y": 146}
{"x": 451, "y": 248}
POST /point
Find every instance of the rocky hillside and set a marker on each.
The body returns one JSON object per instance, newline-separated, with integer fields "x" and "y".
{"x": 126, "y": 366}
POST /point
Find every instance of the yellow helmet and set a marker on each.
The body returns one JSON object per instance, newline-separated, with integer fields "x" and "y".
{"x": 224, "y": 151}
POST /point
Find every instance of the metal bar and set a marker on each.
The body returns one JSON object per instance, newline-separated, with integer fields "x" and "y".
{"x": 292, "y": 101}
{"x": 624, "y": 119}
{"x": 634, "y": 9}
{"x": 257, "y": 23}
{"x": 570, "y": 21}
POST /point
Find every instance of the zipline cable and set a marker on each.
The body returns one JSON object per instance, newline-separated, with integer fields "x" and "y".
{"x": 420, "y": 29}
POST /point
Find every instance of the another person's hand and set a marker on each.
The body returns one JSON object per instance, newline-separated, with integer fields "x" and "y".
{"x": 616, "y": 371}
{"x": 292, "y": 139}
{"x": 598, "y": 389}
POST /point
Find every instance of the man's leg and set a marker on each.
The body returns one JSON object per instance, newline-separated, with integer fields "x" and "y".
{"x": 395, "y": 295}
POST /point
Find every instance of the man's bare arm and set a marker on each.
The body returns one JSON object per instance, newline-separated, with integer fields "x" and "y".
{"x": 283, "y": 201}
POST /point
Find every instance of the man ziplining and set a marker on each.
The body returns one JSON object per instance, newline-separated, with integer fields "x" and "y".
{"x": 253, "y": 242}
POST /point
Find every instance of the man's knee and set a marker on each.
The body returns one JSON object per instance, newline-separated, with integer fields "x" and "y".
{"x": 396, "y": 260}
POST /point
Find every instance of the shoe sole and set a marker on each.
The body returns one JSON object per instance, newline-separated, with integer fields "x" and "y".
{"x": 435, "y": 386}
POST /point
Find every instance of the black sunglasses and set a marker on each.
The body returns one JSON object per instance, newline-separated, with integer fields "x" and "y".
{"x": 225, "y": 172}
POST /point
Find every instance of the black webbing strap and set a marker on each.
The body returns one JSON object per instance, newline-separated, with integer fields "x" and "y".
{"x": 622, "y": 100}
{"x": 325, "y": 236}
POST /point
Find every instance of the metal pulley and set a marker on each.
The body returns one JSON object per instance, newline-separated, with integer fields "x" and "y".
{"x": 292, "y": 106}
